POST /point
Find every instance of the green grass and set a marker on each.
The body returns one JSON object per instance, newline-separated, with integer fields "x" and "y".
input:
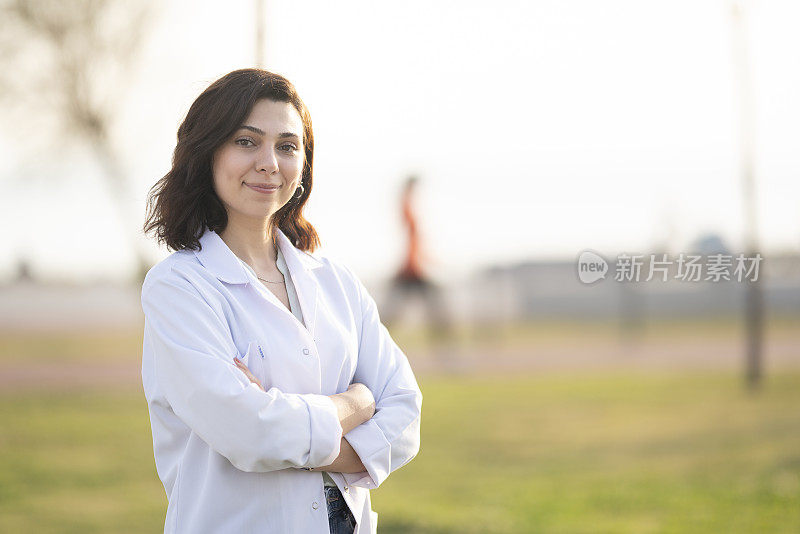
{"x": 88, "y": 345}
{"x": 565, "y": 453}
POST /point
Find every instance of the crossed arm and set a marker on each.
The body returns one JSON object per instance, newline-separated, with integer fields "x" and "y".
{"x": 347, "y": 461}
{"x": 355, "y": 406}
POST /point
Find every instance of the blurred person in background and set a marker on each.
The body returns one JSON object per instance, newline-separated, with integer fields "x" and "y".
{"x": 277, "y": 399}
{"x": 410, "y": 280}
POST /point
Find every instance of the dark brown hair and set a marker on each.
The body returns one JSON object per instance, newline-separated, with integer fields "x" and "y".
{"x": 183, "y": 202}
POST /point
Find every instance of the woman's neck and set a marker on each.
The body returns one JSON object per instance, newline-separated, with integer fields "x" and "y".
{"x": 252, "y": 243}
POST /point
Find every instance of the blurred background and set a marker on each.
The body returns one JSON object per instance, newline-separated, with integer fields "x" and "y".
{"x": 495, "y": 142}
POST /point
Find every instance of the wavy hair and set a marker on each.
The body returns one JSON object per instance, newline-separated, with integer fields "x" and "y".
{"x": 183, "y": 202}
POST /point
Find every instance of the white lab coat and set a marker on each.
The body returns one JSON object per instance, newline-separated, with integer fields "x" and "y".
{"x": 229, "y": 454}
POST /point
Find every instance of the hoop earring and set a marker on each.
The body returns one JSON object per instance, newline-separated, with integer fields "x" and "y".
{"x": 302, "y": 191}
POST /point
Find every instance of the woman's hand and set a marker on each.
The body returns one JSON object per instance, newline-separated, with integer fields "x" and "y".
{"x": 363, "y": 400}
{"x": 240, "y": 364}
{"x": 355, "y": 406}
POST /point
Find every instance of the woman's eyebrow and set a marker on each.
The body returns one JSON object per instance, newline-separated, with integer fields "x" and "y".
{"x": 259, "y": 131}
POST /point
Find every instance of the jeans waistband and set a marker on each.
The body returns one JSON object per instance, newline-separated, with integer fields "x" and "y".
{"x": 334, "y": 498}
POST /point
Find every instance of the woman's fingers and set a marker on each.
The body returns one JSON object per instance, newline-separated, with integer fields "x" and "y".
{"x": 240, "y": 364}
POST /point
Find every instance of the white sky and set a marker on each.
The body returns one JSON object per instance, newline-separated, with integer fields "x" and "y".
{"x": 539, "y": 129}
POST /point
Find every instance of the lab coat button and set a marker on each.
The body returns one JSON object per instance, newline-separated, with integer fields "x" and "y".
{"x": 315, "y": 505}
{"x": 305, "y": 351}
{"x": 347, "y": 489}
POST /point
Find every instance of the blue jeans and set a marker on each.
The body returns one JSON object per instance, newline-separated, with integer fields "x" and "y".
{"x": 340, "y": 519}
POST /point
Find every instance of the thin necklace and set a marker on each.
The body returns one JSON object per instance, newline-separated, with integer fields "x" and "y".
{"x": 269, "y": 281}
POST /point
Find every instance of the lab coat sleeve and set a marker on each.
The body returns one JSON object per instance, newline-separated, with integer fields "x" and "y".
{"x": 193, "y": 353}
{"x": 391, "y": 438}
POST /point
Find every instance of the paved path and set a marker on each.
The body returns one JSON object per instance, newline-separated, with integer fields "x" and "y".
{"x": 781, "y": 353}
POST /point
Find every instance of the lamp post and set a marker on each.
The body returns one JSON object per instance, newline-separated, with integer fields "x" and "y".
{"x": 754, "y": 308}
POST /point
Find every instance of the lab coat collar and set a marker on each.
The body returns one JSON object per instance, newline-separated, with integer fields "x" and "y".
{"x": 295, "y": 256}
{"x": 300, "y": 265}
{"x": 225, "y": 265}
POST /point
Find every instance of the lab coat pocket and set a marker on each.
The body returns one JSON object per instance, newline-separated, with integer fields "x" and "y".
{"x": 253, "y": 358}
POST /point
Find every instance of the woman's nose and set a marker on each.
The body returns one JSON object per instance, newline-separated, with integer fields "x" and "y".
{"x": 268, "y": 161}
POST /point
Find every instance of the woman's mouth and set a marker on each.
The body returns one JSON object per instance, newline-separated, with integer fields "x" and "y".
{"x": 263, "y": 188}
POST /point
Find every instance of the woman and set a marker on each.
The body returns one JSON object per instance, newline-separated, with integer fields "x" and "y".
{"x": 277, "y": 398}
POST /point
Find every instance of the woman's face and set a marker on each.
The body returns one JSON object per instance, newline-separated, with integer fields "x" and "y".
{"x": 258, "y": 169}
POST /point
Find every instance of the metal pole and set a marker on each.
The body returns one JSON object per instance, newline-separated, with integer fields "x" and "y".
{"x": 754, "y": 309}
{"x": 259, "y": 16}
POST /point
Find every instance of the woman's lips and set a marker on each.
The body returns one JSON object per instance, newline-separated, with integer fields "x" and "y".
{"x": 267, "y": 190}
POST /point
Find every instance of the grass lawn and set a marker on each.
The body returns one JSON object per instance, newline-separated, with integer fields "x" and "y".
{"x": 566, "y": 452}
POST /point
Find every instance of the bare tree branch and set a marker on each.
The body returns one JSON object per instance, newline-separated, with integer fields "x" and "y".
{"x": 68, "y": 63}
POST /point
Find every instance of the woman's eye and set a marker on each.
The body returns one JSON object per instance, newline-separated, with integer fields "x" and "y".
{"x": 244, "y": 142}
{"x": 288, "y": 147}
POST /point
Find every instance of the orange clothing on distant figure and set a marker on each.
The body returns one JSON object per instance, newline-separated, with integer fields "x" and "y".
{"x": 412, "y": 267}
{"x": 410, "y": 279}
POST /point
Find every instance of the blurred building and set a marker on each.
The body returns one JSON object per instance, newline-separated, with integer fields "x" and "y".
{"x": 552, "y": 290}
